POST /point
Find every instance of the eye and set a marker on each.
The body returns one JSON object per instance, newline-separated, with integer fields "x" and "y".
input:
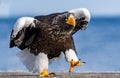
{"x": 65, "y": 17}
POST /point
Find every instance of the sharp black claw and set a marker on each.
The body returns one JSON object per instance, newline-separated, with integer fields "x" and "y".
{"x": 84, "y": 62}
{"x": 52, "y": 74}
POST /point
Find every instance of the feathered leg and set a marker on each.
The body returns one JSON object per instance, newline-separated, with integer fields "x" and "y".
{"x": 41, "y": 65}
{"x": 73, "y": 59}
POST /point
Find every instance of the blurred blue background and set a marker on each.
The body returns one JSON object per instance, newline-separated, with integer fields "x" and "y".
{"x": 98, "y": 46}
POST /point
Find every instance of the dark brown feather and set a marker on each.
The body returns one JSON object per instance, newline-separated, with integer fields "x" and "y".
{"x": 50, "y": 41}
{"x": 81, "y": 24}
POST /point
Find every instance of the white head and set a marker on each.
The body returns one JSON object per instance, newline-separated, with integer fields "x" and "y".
{"x": 82, "y": 16}
{"x": 80, "y": 13}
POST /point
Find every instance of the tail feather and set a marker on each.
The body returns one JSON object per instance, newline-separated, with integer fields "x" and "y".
{"x": 27, "y": 59}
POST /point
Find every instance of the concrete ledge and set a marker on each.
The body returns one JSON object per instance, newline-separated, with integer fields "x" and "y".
{"x": 62, "y": 75}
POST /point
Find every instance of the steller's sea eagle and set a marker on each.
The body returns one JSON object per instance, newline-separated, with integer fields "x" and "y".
{"x": 43, "y": 38}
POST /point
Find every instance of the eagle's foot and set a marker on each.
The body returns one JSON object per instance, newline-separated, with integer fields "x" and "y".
{"x": 73, "y": 64}
{"x": 45, "y": 73}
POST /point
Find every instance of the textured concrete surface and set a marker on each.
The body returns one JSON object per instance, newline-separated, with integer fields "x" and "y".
{"x": 62, "y": 75}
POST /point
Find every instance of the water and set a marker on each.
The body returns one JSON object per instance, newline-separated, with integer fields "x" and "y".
{"x": 98, "y": 46}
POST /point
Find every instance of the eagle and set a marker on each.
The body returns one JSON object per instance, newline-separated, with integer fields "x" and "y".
{"x": 45, "y": 37}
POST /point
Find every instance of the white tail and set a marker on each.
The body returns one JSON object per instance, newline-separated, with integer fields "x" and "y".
{"x": 35, "y": 64}
{"x": 27, "y": 59}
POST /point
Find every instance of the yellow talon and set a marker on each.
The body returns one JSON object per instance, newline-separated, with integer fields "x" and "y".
{"x": 73, "y": 64}
{"x": 71, "y": 20}
{"x": 46, "y": 74}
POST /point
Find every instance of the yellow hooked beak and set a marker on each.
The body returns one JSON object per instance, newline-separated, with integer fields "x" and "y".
{"x": 71, "y": 20}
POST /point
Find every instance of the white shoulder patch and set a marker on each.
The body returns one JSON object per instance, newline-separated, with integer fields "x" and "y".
{"x": 21, "y": 23}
